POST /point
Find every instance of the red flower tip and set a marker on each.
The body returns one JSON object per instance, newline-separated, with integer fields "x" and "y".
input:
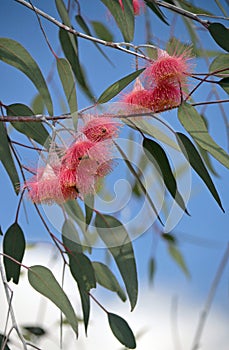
{"x": 45, "y": 187}
{"x": 101, "y": 128}
{"x": 173, "y": 69}
{"x": 137, "y": 4}
{"x": 75, "y": 153}
{"x": 165, "y": 96}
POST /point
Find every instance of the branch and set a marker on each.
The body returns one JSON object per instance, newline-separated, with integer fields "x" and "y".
{"x": 183, "y": 12}
{"x": 116, "y": 46}
{"x": 9, "y": 301}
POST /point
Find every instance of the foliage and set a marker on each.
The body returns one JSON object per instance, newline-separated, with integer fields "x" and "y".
{"x": 44, "y": 133}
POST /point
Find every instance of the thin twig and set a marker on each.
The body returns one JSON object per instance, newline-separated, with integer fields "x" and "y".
{"x": 9, "y": 297}
{"x": 113, "y": 45}
{"x": 211, "y": 294}
{"x": 182, "y": 12}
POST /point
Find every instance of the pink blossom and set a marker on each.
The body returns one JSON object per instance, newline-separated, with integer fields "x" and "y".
{"x": 173, "y": 69}
{"x": 75, "y": 153}
{"x": 101, "y": 128}
{"x": 45, "y": 187}
{"x": 165, "y": 96}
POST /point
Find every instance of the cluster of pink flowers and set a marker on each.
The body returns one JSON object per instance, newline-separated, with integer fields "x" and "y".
{"x": 78, "y": 169}
{"x": 164, "y": 80}
{"x": 137, "y": 4}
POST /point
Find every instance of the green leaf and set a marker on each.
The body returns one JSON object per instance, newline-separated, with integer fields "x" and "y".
{"x": 121, "y": 330}
{"x": 89, "y": 206}
{"x": 105, "y": 277}
{"x": 178, "y": 258}
{"x": 1, "y": 233}
{"x": 116, "y": 238}
{"x": 16, "y": 55}
{"x": 2, "y": 340}
{"x": 224, "y": 83}
{"x": 150, "y": 129}
{"x": 7, "y": 159}
{"x": 156, "y": 9}
{"x": 124, "y": 18}
{"x": 139, "y": 182}
{"x": 220, "y": 34}
{"x": 221, "y": 62}
{"x": 158, "y": 157}
{"x": 34, "y": 130}
{"x": 44, "y": 282}
{"x": 35, "y": 330}
{"x": 193, "y": 157}
{"x": 118, "y": 86}
{"x": 61, "y": 8}
{"x": 102, "y": 31}
{"x": 14, "y": 246}
{"x": 195, "y": 125}
{"x": 37, "y": 104}
{"x": 86, "y": 29}
{"x": 70, "y": 48}
{"x": 68, "y": 83}
{"x": 83, "y": 272}
{"x": 70, "y": 237}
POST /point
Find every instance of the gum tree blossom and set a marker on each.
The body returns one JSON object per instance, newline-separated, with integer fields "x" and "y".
{"x": 79, "y": 169}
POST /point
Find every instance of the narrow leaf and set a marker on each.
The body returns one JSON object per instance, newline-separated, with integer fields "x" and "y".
{"x": 178, "y": 258}
{"x": 102, "y": 31}
{"x": 16, "y": 55}
{"x": 70, "y": 48}
{"x": 14, "y": 246}
{"x": 121, "y": 330}
{"x": 220, "y": 63}
{"x": 89, "y": 206}
{"x": 116, "y": 238}
{"x": 156, "y": 9}
{"x": 44, "y": 282}
{"x": 193, "y": 157}
{"x": 152, "y": 268}
{"x": 224, "y": 83}
{"x": 68, "y": 83}
{"x": 158, "y": 157}
{"x": 61, "y": 8}
{"x": 118, "y": 86}
{"x": 7, "y": 159}
{"x": 83, "y": 272}
{"x": 70, "y": 237}
{"x": 34, "y": 130}
{"x": 195, "y": 125}
{"x": 105, "y": 277}
{"x": 123, "y": 17}
{"x": 220, "y": 34}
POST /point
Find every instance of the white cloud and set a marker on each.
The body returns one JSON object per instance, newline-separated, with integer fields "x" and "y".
{"x": 152, "y": 316}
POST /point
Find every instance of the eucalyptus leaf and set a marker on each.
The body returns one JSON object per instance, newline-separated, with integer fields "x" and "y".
{"x": 156, "y": 9}
{"x": 105, "y": 277}
{"x": 34, "y": 130}
{"x": 224, "y": 83}
{"x": 178, "y": 258}
{"x": 193, "y": 157}
{"x": 220, "y": 34}
{"x": 116, "y": 238}
{"x": 44, "y": 282}
{"x": 123, "y": 17}
{"x": 7, "y": 159}
{"x": 13, "y": 53}
{"x": 14, "y": 246}
{"x": 102, "y": 31}
{"x": 118, "y": 86}
{"x": 68, "y": 83}
{"x": 158, "y": 157}
{"x": 121, "y": 330}
{"x": 195, "y": 125}
{"x": 220, "y": 63}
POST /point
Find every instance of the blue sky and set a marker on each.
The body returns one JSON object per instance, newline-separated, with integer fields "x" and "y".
{"x": 204, "y": 235}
